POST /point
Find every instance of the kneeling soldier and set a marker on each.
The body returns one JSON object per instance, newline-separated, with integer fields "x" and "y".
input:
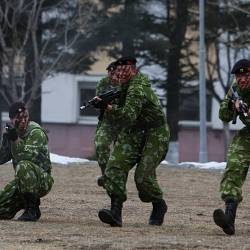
{"x": 26, "y": 144}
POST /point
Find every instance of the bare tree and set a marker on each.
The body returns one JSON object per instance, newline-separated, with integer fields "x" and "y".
{"x": 37, "y": 39}
{"x": 226, "y": 42}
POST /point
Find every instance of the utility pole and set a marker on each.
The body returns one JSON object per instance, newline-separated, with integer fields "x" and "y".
{"x": 202, "y": 82}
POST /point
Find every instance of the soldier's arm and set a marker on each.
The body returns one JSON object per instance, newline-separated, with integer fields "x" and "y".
{"x": 102, "y": 85}
{"x": 128, "y": 114}
{"x": 226, "y": 112}
{"x": 5, "y": 150}
{"x": 35, "y": 145}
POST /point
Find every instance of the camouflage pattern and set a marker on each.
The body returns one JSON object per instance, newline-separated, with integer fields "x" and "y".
{"x": 238, "y": 158}
{"x": 30, "y": 157}
{"x": 143, "y": 140}
{"x": 104, "y": 138}
{"x": 103, "y": 86}
{"x": 107, "y": 130}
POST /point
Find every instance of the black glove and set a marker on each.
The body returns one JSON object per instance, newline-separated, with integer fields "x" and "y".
{"x": 100, "y": 104}
{"x": 5, "y": 140}
{"x": 11, "y": 132}
{"x": 231, "y": 105}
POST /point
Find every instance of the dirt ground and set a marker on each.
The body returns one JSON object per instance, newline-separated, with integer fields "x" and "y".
{"x": 69, "y": 214}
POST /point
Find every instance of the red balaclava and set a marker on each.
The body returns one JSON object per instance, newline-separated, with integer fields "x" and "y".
{"x": 124, "y": 73}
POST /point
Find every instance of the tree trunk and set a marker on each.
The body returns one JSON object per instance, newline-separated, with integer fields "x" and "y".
{"x": 33, "y": 76}
{"x": 176, "y": 38}
{"x": 128, "y": 37}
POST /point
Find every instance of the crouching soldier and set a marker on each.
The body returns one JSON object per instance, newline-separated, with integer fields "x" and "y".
{"x": 142, "y": 141}
{"x": 26, "y": 144}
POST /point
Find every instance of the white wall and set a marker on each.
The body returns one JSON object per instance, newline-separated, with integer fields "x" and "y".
{"x": 60, "y": 97}
{"x": 58, "y": 102}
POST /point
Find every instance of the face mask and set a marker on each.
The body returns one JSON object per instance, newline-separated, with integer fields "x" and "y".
{"x": 125, "y": 73}
{"x": 243, "y": 80}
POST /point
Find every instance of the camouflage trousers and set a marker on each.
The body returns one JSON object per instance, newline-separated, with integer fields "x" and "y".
{"x": 145, "y": 150}
{"x": 28, "y": 178}
{"x": 104, "y": 139}
{"x": 238, "y": 160}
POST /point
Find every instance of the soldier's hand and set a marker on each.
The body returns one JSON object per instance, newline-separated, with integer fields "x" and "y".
{"x": 99, "y": 103}
{"x": 237, "y": 105}
{"x": 109, "y": 108}
{"x": 11, "y": 132}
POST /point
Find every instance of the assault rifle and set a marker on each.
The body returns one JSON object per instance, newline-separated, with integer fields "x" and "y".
{"x": 105, "y": 98}
{"x": 243, "y": 106}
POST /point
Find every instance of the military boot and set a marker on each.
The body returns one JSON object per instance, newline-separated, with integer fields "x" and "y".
{"x": 157, "y": 215}
{"x": 100, "y": 179}
{"x": 112, "y": 217}
{"x": 32, "y": 211}
{"x": 226, "y": 220}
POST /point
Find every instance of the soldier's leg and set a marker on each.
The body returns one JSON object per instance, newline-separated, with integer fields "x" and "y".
{"x": 153, "y": 153}
{"x": 124, "y": 156}
{"x": 33, "y": 183}
{"x": 11, "y": 201}
{"x": 232, "y": 181}
{"x": 122, "y": 159}
{"x": 103, "y": 140}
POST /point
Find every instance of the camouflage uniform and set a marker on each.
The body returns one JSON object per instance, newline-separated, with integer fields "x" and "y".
{"x": 238, "y": 157}
{"x": 143, "y": 140}
{"x": 107, "y": 130}
{"x": 30, "y": 157}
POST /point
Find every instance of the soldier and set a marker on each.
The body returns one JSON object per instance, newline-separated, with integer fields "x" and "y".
{"x": 106, "y": 131}
{"x": 143, "y": 140}
{"x": 238, "y": 157}
{"x": 26, "y": 144}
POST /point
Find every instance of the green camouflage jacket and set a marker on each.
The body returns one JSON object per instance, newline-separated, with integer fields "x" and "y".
{"x": 142, "y": 107}
{"x": 226, "y": 112}
{"x": 103, "y": 86}
{"x": 32, "y": 146}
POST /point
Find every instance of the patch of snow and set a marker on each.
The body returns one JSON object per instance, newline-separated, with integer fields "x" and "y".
{"x": 206, "y": 165}
{"x": 65, "y": 159}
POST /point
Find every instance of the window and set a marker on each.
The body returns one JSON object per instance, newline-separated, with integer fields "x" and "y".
{"x": 189, "y": 105}
{"x": 86, "y": 93}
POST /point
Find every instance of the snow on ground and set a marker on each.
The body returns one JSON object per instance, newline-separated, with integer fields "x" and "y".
{"x": 64, "y": 160}
{"x": 207, "y": 165}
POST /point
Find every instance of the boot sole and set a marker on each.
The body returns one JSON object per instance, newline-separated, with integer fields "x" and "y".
{"x": 106, "y": 217}
{"x": 221, "y": 221}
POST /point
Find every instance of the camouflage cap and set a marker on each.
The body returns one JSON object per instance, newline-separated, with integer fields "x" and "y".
{"x": 126, "y": 60}
{"x": 241, "y": 66}
{"x": 16, "y": 108}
